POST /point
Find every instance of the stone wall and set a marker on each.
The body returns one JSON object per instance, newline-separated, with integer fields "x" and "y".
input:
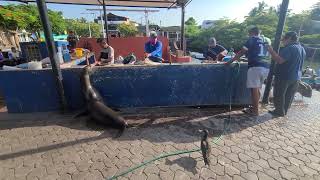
{"x": 8, "y": 39}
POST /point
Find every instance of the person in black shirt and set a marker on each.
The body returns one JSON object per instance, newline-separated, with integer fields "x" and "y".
{"x": 214, "y": 51}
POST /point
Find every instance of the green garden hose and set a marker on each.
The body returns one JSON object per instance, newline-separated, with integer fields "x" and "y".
{"x": 214, "y": 141}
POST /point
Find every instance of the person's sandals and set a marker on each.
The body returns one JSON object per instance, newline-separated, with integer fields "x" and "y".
{"x": 275, "y": 114}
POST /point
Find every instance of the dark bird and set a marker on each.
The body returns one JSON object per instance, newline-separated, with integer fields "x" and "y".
{"x": 205, "y": 147}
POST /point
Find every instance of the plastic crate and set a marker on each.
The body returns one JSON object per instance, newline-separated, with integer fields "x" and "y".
{"x": 36, "y": 51}
{"x": 30, "y": 51}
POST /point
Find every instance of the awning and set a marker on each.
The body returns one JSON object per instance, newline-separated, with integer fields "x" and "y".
{"x": 124, "y": 3}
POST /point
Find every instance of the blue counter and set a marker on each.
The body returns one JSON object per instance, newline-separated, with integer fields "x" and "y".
{"x": 128, "y": 86}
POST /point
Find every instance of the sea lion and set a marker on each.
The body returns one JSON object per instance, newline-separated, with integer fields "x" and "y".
{"x": 88, "y": 90}
{"x": 95, "y": 107}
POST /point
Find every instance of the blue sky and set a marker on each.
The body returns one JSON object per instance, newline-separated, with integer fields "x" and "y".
{"x": 199, "y": 9}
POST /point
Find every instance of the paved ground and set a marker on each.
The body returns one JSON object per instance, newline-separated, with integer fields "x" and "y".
{"x": 52, "y": 146}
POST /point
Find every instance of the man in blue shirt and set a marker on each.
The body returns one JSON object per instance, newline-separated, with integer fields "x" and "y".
{"x": 258, "y": 65}
{"x": 153, "y": 48}
{"x": 287, "y": 73}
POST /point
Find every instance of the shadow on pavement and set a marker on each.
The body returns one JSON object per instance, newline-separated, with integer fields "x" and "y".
{"x": 156, "y": 126}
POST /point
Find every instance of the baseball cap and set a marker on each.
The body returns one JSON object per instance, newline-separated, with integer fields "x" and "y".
{"x": 254, "y": 29}
{"x": 291, "y": 35}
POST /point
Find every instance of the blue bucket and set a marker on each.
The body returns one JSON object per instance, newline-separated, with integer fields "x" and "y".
{"x": 227, "y": 58}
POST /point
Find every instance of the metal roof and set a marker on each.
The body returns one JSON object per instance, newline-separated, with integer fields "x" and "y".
{"x": 124, "y": 3}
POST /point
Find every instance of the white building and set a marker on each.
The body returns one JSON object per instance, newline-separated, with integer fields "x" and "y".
{"x": 206, "y": 24}
{"x": 113, "y": 22}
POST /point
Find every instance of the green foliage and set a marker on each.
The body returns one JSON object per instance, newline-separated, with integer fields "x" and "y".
{"x": 198, "y": 43}
{"x": 81, "y": 27}
{"x": 32, "y": 19}
{"x": 259, "y": 10}
{"x": 228, "y": 33}
{"x": 128, "y": 29}
{"x": 297, "y": 22}
{"x": 192, "y": 33}
{"x": 263, "y": 17}
{"x": 58, "y": 23}
{"x": 305, "y": 21}
{"x": 191, "y": 21}
{"x": 192, "y": 29}
{"x": 232, "y": 34}
{"x": 14, "y": 17}
{"x": 315, "y": 13}
{"x": 311, "y": 39}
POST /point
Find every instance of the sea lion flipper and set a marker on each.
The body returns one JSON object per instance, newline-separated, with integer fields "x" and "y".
{"x": 120, "y": 132}
{"x": 82, "y": 113}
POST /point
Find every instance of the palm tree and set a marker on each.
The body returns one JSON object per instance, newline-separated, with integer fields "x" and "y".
{"x": 315, "y": 12}
{"x": 259, "y": 9}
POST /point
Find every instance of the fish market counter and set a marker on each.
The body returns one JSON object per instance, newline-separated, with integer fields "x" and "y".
{"x": 129, "y": 86}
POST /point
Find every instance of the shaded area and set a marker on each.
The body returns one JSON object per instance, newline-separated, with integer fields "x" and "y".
{"x": 173, "y": 123}
{"x": 157, "y": 133}
{"x": 188, "y": 163}
{"x": 50, "y": 147}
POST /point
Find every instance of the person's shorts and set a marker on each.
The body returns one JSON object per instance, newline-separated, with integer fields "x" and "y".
{"x": 256, "y": 76}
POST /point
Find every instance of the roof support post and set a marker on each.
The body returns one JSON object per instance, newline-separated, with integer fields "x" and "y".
{"x": 105, "y": 20}
{"x": 182, "y": 39}
{"x": 276, "y": 47}
{"x": 52, "y": 51}
{"x": 147, "y": 23}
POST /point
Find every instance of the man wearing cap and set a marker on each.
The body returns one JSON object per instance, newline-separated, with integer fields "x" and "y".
{"x": 214, "y": 51}
{"x": 153, "y": 48}
{"x": 258, "y": 65}
{"x": 287, "y": 73}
